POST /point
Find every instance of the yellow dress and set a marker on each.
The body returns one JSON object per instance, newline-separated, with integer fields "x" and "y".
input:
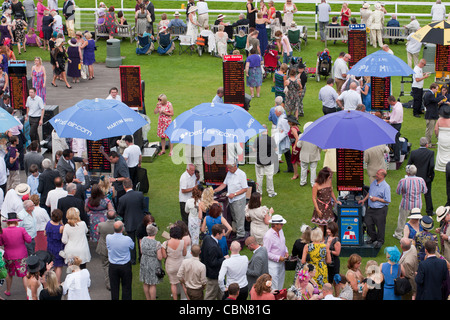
{"x": 318, "y": 254}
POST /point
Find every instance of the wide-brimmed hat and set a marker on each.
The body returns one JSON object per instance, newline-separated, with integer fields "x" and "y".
{"x": 34, "y": 264}
{"x": 45, "y": 256}
{"x": 276, "y": 218}
{"x": 377, "y": 6}
{"x": 176, "y": 14}
{"x": 12, "y": 216}
{"x": 59, "y": 42}
{"x": 441, "y": 212}
{"x": 306, "y": 125}
{"x": 427, "y": 223}
{"x": 22, "y": 189}
{"x": 293, "y": 24}
{"x": 73, "y": 42}
{"x": 291, "y": 118}
{"x": 101, "y": 13}
{"x": 220, "y": 16}
{"x": 366, "y": 5}
{"x": 415, "y": 214}
{"x": 192, "y": 9}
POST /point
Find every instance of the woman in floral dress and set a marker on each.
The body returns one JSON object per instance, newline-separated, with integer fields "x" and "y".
{"x": 319, "y": 254}
{"x": 165, "y": 110}
{"x": 97, "y": 206}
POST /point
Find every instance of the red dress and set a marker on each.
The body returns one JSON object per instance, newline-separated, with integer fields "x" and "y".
{"x": 163, "y": 120}
{"x": 295, "y": 157}
{"x": 344, "y": 18}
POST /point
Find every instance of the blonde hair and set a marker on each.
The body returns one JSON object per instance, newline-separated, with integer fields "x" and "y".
{"x": 104, "y": 185}
{"x": 53, "y": 286}
{"x": 163, "y": 98}
{"x": 316, "y": 235}
{"x": 88, "y": 35}
{"x": 208, "y": 197}
{"x": 73, "y": 216}
{"x": 371, "y": 267}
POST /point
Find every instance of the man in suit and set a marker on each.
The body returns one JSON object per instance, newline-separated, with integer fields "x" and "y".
{"x": 69, "y": 14}
{"x": 105, "y": 228}
{"x": 374, "y": 158}
{"x": 258, "y": 264}
{"x": 81, "y": 188}
{"x": 70, "y": 201}
{"x": 132, "y": 209}
{"x": 33, "y": 157}
{"x": 212, "y": 257}
{"x": 432, "y": 272}
{"x": 67, "y": 163}
{"x": 409, "y": 263}
{"x": 46, "y": 182}
{"x": 151, "y": 9}
{"x": 423, "y": 159}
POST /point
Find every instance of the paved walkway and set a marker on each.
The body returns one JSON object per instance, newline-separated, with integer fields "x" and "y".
{"x": 105, "y": 78}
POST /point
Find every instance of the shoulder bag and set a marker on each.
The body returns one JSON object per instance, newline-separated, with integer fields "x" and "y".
{"x": 401, "y": 285}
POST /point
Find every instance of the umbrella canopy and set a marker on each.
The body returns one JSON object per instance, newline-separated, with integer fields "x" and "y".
{"x": 349, "y": 130}
{"x": 435, "y": 32}
{"x": 97, "y": 119}
{"x": 7, "y": 121}
{"x": 210, "y": 124}
{"x": 381, "y": 64}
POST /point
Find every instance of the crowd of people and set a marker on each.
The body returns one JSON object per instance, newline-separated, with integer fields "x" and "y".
{"x": 48, "y": 221}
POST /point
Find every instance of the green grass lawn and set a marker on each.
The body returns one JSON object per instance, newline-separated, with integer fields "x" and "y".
{"x": 188, "y": 80}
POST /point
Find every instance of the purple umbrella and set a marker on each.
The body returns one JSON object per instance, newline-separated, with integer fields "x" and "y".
{"x": 349, "y": 129}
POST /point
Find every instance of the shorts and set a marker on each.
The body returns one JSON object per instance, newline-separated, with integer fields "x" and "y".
{"x": 16, "y": 267}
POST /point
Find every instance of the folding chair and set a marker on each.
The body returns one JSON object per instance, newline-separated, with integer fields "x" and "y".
{"x": 240, "y": 42}
{"x": 294, "y": 39}
{"x": 144, "y": 45}
{"x": 186, "y": 42}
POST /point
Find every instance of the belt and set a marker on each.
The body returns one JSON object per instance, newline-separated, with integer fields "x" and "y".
{"x": 375, "y": 208}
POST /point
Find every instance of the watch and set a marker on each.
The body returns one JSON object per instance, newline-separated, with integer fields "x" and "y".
{"x": 235, "y": 194}
{"x": 116, "y": 179}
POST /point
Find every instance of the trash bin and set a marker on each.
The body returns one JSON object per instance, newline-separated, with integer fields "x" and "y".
{"x": 429, "y": 53}
{"x": 113, "y": 58}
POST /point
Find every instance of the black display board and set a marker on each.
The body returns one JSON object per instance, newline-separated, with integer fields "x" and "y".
{"x": 380, "y": 91}
{"x": 442, "y": 58}
{"x": 357, "y": 43}
{"x": 97, "y": 162}
{"x": 18, "y": 85}
{"x": 233, "y": 80}
{"x": 215, "y": 164}
{"x": 350, "y": 170}
{"x": 130, "y": 86}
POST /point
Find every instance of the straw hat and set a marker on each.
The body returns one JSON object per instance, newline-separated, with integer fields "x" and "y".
{"x": 441, "y": 212}
{"x": 22, "y": 189}
{"x": 192, "y": 9}
{"x": 415, "y": 214}
{"x": 220, "y": 17}
{"x": 276, "y": 218}
{"x": 59, "y": 42}
{"x": 176, "y": 14}
{"x": 366, "y": 5}
{"x": 427, "y": 223}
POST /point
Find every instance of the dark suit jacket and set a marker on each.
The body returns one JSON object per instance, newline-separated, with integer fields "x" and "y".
{"x": 151, "y": 9}
{"x": 257, "y": 266}
{"x": 70, "y": 201}
{"x": 431, "y": 274}
{"x": 423, "y": 159}
{"x": 131, "y": 209}
{"x": 241, "y": 22}
{"x": 211, "y": 256}
{"x": 30, "y": 158}
{"x": 46, "y": 183}
{"x": 64, "y": 166}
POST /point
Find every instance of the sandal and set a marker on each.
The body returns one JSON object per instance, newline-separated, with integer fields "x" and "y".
{"x": 7, "y": 293}
{"x": 161, "y": 153}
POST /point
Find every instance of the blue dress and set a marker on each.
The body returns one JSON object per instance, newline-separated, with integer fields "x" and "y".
{"x": 367, "y": 99}
{"x": 388, "y": 291}
{"x": 54, "y": 243}
{"x": 222, "y": 242}
{"x": 412, "y": 231}
{"x": 262, "y": 37}
{"x": 88, "y": 53}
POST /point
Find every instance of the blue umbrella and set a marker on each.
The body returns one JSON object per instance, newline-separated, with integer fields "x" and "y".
{"x": 7, "y": 121}
{"x": 349, "y": 130}
{"x": 381, "y": 64}
{"x": 210, "y": 124}
{"x": 97, "y": 119}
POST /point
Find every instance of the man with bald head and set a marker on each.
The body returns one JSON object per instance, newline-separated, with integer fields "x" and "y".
{"x": 119, "y": 247}
{"x": 349, "y": 99}
{"x": 234, "y": 270}
{"x": 379, "y": 197}
{"x": 409, "y": 263}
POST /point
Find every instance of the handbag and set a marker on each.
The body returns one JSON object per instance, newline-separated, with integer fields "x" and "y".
{"x": 402, "y": 286}
{"x": 62, "y": 253}
{"x": 160, "y": 273}
{"x": 280, "y": 294}
{"x": 200, "y": 41}
{"x": 291, "y": 263}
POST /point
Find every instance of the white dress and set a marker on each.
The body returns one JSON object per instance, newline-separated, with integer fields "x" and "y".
{"x": 443, "y": 151}
{"x": 76, "y": 285}
{"x": 221, "y": 41}
{"x": 193, "y": 221}
{"x": 76, "y": 241}
{"x": 192, "y": 29}
{"x": 288, "y": 16}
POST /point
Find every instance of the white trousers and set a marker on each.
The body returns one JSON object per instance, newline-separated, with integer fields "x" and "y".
{"x": 277, "y": 272}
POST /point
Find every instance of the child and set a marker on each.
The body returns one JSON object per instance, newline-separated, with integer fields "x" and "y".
{"x": 33, "y": 179}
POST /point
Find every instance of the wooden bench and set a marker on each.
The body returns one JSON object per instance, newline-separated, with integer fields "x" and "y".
{"x": 394, "y": 33}
{"x": 333, "y": 33}
{"x": 122, "y": 32}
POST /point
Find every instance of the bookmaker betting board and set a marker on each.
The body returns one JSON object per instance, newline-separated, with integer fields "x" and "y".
{"x": 442, "y": 60}
{"x": 214, "y": 164}
{"x": 97, "y": 162}
{"x": 357, "y": 43}
{"x": 233, "y": 80}
{"x": 18, "y": 87}
{"x": 350, "y": 170}
{"x": 381, "y": 89}
{"x": 130, "y": 86}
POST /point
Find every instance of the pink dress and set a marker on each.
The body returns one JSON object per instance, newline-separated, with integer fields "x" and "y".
{"x": 38, "y": 83}
{"x": 163, "y": 120}
{"x": 40, "y": 15}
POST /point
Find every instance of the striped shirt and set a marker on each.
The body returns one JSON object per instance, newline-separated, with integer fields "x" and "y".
{"x": 411, "y": 189}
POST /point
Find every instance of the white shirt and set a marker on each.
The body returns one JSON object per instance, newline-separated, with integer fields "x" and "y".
{"x": 418, "y": 73}
{"x": 52, "y": 4}
{"x": 413, "y": 46}
{"x": 58, "y": 25}
{"x": 76, "y": 285}
{"x": 3, "y": 174}
{"x": 131, "y": 155}
{"x": 328, "y": 96}
{"x": 235, "y": 182}
{"x": 340, "y": 68}
{"x": 324, "y": 10}
{"x": 186, "y": 182}
{"x": 350, "y": 99}
{"x": 35, "y": 105}
{"x": 11, "y": 203}
{"x": 53, "y": 196}
{"x": 41, "y": 216}
{"x": 330, "y": 297}
{"x": 234, "y": 269}
{"x": 438, "y": 12}
{"x": 118, "y": 98}
{"x": 202, "y": 7}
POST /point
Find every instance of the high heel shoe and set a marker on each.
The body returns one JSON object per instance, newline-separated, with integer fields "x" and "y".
{"x": 68, "y": 87}
{"x": 54, "y": 84}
